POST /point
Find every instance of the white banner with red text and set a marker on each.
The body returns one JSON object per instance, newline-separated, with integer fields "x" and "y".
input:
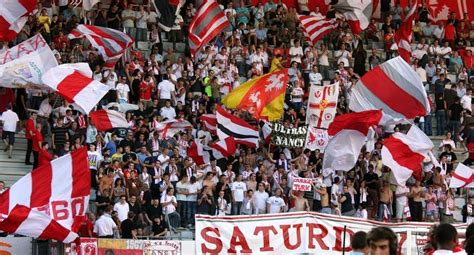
{"x": 299, "y": 232}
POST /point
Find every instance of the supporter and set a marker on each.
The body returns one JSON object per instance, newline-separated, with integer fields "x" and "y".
{"x": 122, "y": 208}
{"x": 10, "y": 120}
{"x": 359, "y": 243}
{"x": 382, "y": 240}
{"x": 105, "y": 226}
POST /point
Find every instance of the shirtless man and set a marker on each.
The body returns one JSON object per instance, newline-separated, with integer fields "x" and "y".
{"x": 324, "y": 199}
{"x": 301, "y": 204}
{"x": 107, "y": 182}
{"x": 386, "y": 197}
{"x": 438, "y": 179}
{"x": 416, "y": 193}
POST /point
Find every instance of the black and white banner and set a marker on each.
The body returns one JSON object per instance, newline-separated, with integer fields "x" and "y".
{"x": 289, "y": 137}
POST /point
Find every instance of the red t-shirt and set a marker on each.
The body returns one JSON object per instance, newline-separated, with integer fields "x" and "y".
{"x": 44, "y": 157}
{"x": 29, "y": 126}
{"x": 37, "y": 139}
{"x": 449, "y": 32}
{"x": 145, "y": 90}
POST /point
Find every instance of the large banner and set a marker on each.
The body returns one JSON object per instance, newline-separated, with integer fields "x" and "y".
{"x": 299, "y": 232}
{"x": 16, "y": 245}
{"x": 289, "y": 137}
{"x": 322, "y": 105}
{"x": 317, "y": 139}
{"x": 138, "y": 247}
{"x": 24, "y": 64}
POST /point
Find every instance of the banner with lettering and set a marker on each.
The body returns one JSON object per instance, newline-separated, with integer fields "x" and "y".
{"x": 24, "y": 64}
{"x": 302, "y": 184}
{"x": 295, "y": 233}
{"x": 317, "y": 139}
{"x": 289, "y": 137}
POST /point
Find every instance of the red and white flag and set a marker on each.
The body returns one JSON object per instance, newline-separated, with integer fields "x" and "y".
{"x": 393, "y": 87}
{"x": 404, "y": 34}
{"x": 462, "y": 177}
{"x": 322, "y": 105}
{"x": 404, "y": 154}
{"x": 27, "y": 222}
{"x": 230, "y": 125}
{"x": 169, "y": 128}
{"x": 108, "y": 119}
{"x": 74, "y": 83}
{"x": 208, "y": 22}
{"x": 13, "y": 17}
{"x": 350, "y": 133}
{"x": 266, "y": 129}
{"x": 59, "y": 189}
{"x": 202, "y": 154}
{"x": 315, "y": 28}
{"x": 110, "y": 43}
{"x": 317, "y": 139}
{"x": 89, "y": 4}
{"x": 357, "y": 13}
{"x": 210, "y": 121}
{"x": 223, "y": 148}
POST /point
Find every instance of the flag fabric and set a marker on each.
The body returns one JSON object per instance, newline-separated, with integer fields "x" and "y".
{"x": 223, "y": 148}
{"x": 404, "y": 154}
{"x": 197, "y": 153}
{"x": 266, "y": 129}
{"x": 208, "y": 22}
{"x": 350, "y": 132}
{"x": 316, "y": 139}
{"x": 108, "y": 119}
{"x": 315, "y": 28}
{"x": 168, "y": 12}
{"x": 356, "y": 12}
{"x": 24, "y": 64}
{"x": 27, "y": 222}
{"x": 230, "y": 125}
{"x": 74, "y": 83}
{"x": 54, "y": 189}
{"x": 393, "y": 87}
{"x": 419, "y": 135}
{"x": 169, "y": 128}
{"x": 210, "y": 121}
{"x": 263, "y": 97}
{"x": 89, "y": 4}
{"x": 322, "y": 105}
{"x": 13, "y": 17}
{"x": 462, "y": 177}
{"x": 202, "y": 154}
{"x": 404, "y": 34}
{"x": 110, "y": 43}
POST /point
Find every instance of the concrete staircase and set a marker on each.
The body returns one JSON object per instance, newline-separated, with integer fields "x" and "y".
{"x": 13, "y": 169}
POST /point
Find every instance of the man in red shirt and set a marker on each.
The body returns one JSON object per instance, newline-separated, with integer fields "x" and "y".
{"x": 29, "y": 133}
{"x": 146, "y": 89}
{"x": 44, "y": 156}
{"x": 468, "y": 60}
{"x": 450, "y": 34}
{"x": 37, "y": 144}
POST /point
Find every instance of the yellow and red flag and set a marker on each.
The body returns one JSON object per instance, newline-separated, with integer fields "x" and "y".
{"x": 263, "y": 96}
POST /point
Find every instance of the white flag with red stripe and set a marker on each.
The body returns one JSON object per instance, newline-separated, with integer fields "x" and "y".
{"x": 108, "y": 119}
{"x": 322, "y": 105}
{"x": 230, "y": 125}
{"x": 356, "y": 12}
{"x": 208, "y": 22}
{"x": 89, "y": 4}
{"x": 223, "y": 148}
{"x": 462, "y": 177}
{"x": 349, "y": 133}
{"x": 404, "y": 34}
{"x": 393, "y": 87}
{"x": 404, "y": 154}
{"x": 315, "y": 28}
{"x": 202, "y": 154}
{"x": 59, "y": 189}
{"x": 317, "y": 139}
{"x": 74, "y": 83}
{"x": 27, "y": 222}
{"x": 210, "y": 122}
{"x": 13, "y": 17}
{"x": 169, "y": 128}
{"x": 110, "y": 43}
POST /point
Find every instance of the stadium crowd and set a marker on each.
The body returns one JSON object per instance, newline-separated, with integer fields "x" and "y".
{"x": 144, "y": 185}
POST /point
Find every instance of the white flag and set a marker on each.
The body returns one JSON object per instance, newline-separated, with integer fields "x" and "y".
{"x": 317, "y": 139}
{"x": 322, "y": 105}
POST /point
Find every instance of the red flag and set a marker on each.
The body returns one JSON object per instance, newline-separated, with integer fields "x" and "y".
{"x": 108, "y": 119}
{"x": 13, "y": 17}
{"x": 404, "y": 34}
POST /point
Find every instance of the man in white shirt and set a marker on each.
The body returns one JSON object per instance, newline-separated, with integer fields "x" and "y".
{"x": 104, "y": 226}
{"x": 315, "y": 77}
{"x": 446, "y": 239}
{"x": 111, "y": 78}
{"x": 238, "y": 188}
{"x": 296, "y": 52}
{"x": 122, "y": 90}
{"x": 276, "y": 204}
{"x": 166, "y": 89}
{"x": 261, "y": 197}
{"x": 9, "y": 119}
{"x": 122, "y": 208}
{"x": 168, "y": 112}
{"x": 401, "y": 201}
{"x": 466, "y": 101}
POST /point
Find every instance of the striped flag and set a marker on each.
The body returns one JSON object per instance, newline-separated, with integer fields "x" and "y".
{"x": 462, "y": 177}
{"x": 322, "y": 105}
{"x": 13, "y": 17}
{"x": 108, "y": 119}
{"x": 404, "y": 34}
{"x": 59, "y": 189}
{"x": 356, "y": 12}
{"x": 202, "y": 154}
{"x": 74, "y": 83}
{"x": 27, "y": 222}
{"x": 210, "y": 122}
{"x": 209, "y": 21}
{"x": 266, "y": 129}
{"x": 169, "y": 128}
{"x": 393, "y": 87}
{"x": 110, "y": 43}
{"x": 230, "y": 125}
{"x": 316, "y": 28}
{"x": 404, "y": 154}
{"x": 223, "y": 148}
{"x": 263, "y": 96}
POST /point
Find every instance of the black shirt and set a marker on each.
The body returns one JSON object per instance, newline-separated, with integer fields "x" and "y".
{"x": 347, "y": 204}
{"x": 130, "y": 155}
{"x": 456, "y": 112}
{"x": 154, "y": 212}
{"x": 158, "y": 228}
{"x": 127, "y": 227}
{"x": 100, "y": 200}
{"x": 115, "y": 23}
{"x": 370, "y": 177}
{"x": 59, "y": 135}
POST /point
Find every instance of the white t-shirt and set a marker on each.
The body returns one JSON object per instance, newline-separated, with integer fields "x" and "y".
{"x": 261, "y": 199}
{"x": 122, "y": 91}
{"x": 276, "y": 203}
{"x": 315, "y": 78}
{"x": 166, "y": 87}
{"x": 122, "y": 210}
{"x": 298, "y": 52}
{"x": 238, "y": 189}
{"x": 400, "y": 190}
{"x": 181, "y": 187}
{"x": 10, "y": 119}
{"x": 112, "y": 80}
{"x": 170, "y": 208}
{"x": 193, "y": 188}
{"x": 94, "y": 158}
{"x": 104, "y": 226}
{"x": 466, "y": 102}
{"x": 169, "y": 113}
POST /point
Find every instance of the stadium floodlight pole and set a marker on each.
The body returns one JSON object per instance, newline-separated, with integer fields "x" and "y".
{"x": 344, "y": 241}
